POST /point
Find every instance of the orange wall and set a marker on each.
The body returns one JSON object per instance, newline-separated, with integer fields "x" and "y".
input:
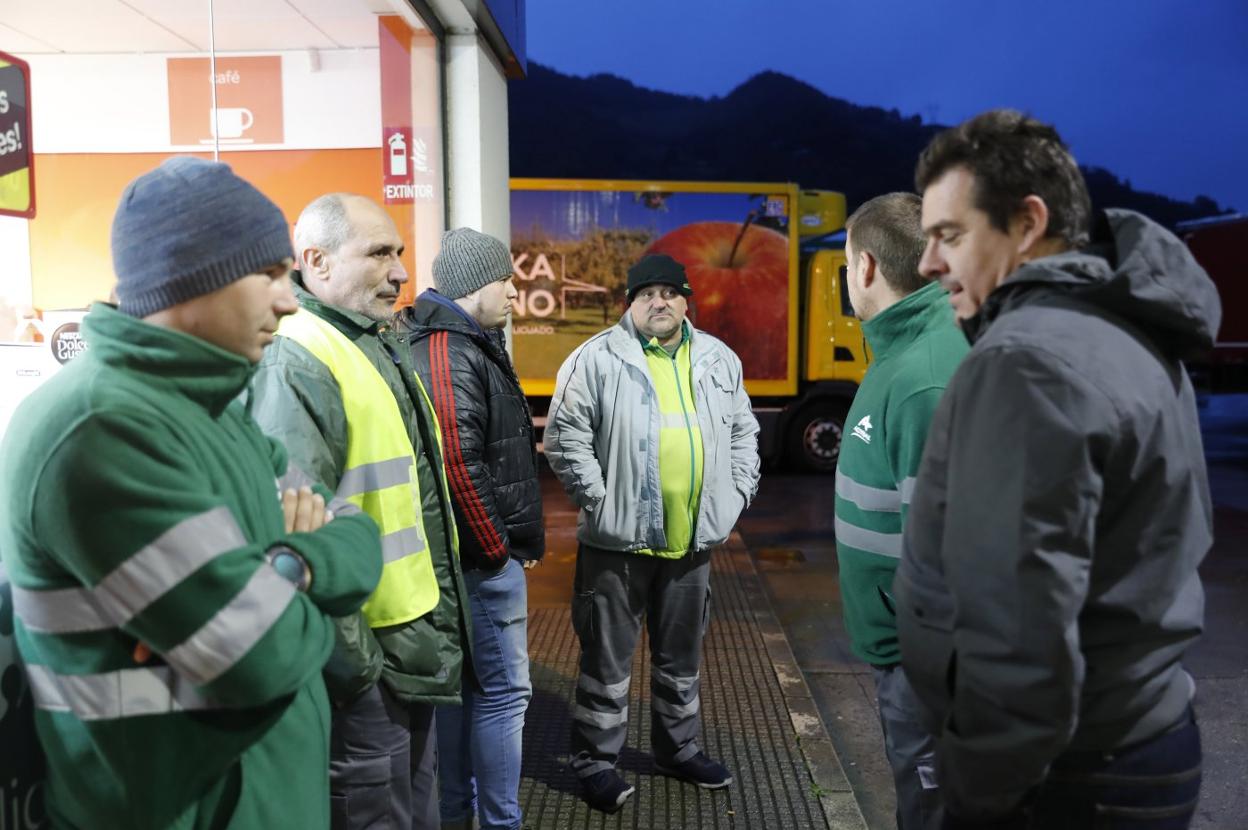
{"x": 69, "y": 240}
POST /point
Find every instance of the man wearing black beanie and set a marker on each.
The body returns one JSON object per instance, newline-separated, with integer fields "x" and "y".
{"x": 652, "y": 435}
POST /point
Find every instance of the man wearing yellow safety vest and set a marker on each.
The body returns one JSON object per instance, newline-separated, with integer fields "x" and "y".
{"x": 652, "y": 435}
{"x": 337, "y": 388}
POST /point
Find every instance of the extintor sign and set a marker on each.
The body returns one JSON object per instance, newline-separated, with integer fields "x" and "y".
{"x": 17, "y": 156}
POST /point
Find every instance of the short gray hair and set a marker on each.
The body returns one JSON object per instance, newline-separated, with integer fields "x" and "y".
{"x": 324, "y": 223}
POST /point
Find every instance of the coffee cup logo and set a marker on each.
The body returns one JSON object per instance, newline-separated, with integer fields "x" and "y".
{"x": 67, "y": 343}
{"x": 230, "y": 122}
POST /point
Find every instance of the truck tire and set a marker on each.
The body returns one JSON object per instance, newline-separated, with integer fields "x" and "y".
{"x": 813, "y": 440}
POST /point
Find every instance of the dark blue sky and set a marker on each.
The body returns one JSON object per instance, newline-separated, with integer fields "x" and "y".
{"x": 1154, "y": 90}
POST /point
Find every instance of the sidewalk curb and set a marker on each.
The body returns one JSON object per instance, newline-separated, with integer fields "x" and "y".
{"x": 828, "y": 780}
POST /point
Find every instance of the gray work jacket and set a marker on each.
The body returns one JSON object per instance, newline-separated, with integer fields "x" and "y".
{"x": 602, "y": 440}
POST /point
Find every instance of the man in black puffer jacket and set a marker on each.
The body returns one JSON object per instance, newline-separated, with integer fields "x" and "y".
{"x": 456, "y": 338}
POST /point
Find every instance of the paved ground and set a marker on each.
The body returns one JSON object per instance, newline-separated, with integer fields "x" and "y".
{"x": 789, "y": 534}
{"x": 758, "y": 715}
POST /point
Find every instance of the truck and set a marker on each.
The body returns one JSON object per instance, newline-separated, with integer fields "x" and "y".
{"x": 1220, "y": 245}
{"x": 766, "y": 262}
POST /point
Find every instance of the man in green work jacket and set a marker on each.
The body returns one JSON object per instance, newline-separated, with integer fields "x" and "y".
{"x": 172, "y": 610}
{"x": 338, "y": 390}
{"x": 915, "y": 348}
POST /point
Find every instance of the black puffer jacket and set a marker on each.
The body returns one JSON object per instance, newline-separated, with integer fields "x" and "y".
{"x": 487, "y": 432}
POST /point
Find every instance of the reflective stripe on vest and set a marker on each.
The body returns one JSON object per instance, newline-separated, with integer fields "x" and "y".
{"x": 380, "y": 475}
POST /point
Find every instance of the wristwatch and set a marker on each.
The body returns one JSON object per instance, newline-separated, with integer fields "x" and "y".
{"x": 291, "y": 565}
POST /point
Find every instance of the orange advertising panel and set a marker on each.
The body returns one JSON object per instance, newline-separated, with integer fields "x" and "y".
{"x": 69, "y": 241}
{"x": 249, "y": 101}
{"x": 572, "y": 243}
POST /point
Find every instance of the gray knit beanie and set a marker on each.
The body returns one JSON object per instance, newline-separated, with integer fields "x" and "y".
{"x": 469, "y": 260}
{"x": 188, "y": 228}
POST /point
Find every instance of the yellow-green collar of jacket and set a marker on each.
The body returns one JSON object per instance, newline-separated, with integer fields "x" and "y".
{"x": 653, "y": 342}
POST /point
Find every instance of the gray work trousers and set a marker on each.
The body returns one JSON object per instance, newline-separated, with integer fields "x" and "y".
{"x": 383, "y": 764}
{"x": 910, "y": 749}
{"x": 613, "y": 592}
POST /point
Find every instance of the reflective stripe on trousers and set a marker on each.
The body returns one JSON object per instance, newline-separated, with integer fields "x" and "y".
{"x": 613, "y": 592}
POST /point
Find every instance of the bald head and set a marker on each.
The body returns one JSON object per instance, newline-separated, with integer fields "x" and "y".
{"x": 324, "y": 223}
{"x": 348, "y": 249}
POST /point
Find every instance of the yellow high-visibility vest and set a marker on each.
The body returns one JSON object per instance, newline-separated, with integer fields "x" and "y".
{"x": 680, "y": 445}
{"x": 380, "y": 475}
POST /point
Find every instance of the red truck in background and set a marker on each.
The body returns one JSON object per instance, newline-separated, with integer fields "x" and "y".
{"x": 1220, "y": 245}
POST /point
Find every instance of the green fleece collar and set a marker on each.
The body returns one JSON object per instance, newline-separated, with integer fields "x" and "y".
{"x": 196, "y": 368}
{"x": 903, "y": 322}
{"x": 653, "y": 342}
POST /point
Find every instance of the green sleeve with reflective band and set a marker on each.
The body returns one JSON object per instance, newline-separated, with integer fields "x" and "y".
{"x": 905, "y": 434}
{"x": 917, "y": 348}
{"x": 161, "y": 553}
{"x": 874, "y": 481}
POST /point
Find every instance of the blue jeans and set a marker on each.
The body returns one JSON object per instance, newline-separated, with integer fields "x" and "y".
{"x": 479, "y": 743}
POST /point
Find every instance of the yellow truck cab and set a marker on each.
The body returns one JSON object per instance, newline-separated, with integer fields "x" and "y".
{"x": 766, "y": 262}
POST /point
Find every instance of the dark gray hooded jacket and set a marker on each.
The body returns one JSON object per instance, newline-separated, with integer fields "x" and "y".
{"x": 1048, "y": 587}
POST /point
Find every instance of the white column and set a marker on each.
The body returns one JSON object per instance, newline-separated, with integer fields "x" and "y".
{"x": 478, "y": 169}
{"x": 478, "y": 192}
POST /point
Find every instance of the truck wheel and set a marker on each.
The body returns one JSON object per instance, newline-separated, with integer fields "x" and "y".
{"x": 814, "y": 437}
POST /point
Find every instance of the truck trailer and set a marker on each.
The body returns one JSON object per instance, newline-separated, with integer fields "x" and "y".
{"x": 766, "y": 264}
{"x": 1220, "y": 245}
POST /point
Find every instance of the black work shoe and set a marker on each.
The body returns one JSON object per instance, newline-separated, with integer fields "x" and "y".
{"x": 700, "y": 770}
{"x": 606, "y": 791}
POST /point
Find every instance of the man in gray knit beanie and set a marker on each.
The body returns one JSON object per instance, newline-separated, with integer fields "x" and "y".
{"x": 188, "y": 228}
{"x": 469, "y": 260}
{"x": 455, "y": 332}
{"x": 199, "y": 250}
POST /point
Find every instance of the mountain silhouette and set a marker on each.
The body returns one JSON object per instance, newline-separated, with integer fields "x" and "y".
{"x": 770, "y": 128}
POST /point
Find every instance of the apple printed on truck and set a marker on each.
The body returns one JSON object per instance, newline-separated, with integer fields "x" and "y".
{"x": 571, "y": 250}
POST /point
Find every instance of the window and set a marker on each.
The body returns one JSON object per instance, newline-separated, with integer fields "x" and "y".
{"x": 300, "y": 98}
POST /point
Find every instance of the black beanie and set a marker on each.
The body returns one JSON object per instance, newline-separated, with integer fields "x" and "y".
{"x": 657, "y": 269}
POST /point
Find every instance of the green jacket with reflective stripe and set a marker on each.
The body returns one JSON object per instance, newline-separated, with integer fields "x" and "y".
{"x": 295, "y": 399}
{"x": 916, "y": 346}
{"x": 136, "y": 506}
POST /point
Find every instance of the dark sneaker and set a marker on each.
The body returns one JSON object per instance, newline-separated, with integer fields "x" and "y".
{"x": 605, "y": 791}
{"x": 700, "y": 770}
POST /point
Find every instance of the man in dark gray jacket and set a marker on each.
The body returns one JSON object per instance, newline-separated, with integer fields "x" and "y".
{"x": 1048, "y": 586}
